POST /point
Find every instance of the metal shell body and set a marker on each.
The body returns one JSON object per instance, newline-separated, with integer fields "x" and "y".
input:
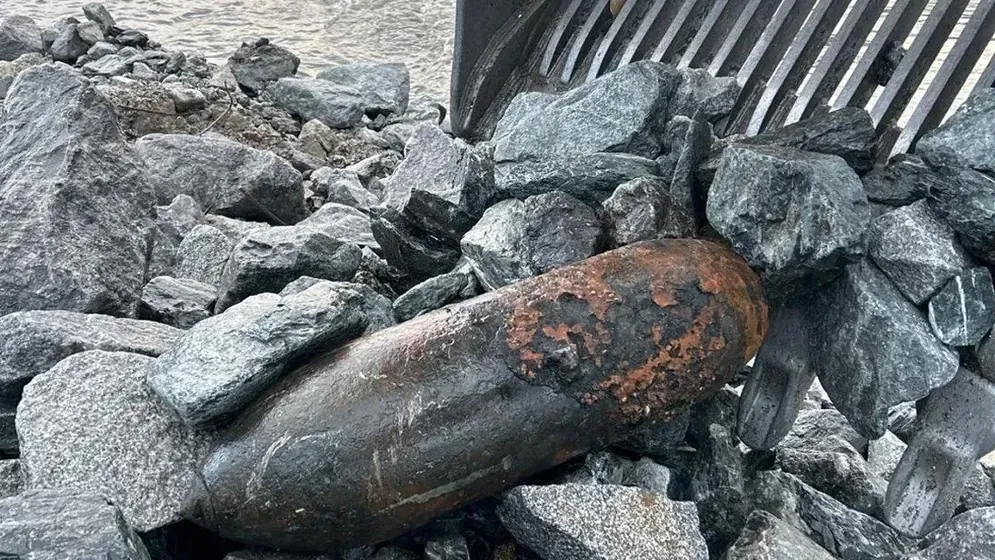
{"x": 384, "y": 435}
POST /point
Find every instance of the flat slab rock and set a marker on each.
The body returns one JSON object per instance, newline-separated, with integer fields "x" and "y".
{"x": 181, "y": 303}
{"x": 967, "y": 139}
{"x": 585, "y": 522}
{"x": 225, "y": 362}
{"x": 344, "y": 223}
{"x": 76, "y": 208}
{"x": 766, "y": 537}
{"x": 91, "y": 424}
{"x": 35, "y": 341}
{"x": 874, "y": 349}
{"x": 60, "y": 524}
{"x": 335, "y": 105}
{"x": 385, "y": 87}
{"x": 965, "y": 199}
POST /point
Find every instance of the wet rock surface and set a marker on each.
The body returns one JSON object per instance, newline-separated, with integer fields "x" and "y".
{"x": 963, "y": 312}
{"x": 965, "y": 140}
{"x": 766, "y": 537}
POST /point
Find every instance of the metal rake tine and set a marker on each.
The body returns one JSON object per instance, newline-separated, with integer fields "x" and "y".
{"x": 716, "y": 24}
{"x": 837, "y": 59}
{"x": 583, "y": 39}
{"x": 731, "y": 54}
{"x": 986, "y": 79}
{"x": 951, "y": 77}
{"x": 557, "y": 40}
{"x": 683, "y": 25}
{"x": 646, "y": 26}
{"x": 610, "y": 43}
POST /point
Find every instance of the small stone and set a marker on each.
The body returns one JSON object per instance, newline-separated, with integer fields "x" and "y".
{"x": 223, "y": 363}
{"x": 641, "y": 209}
{"x": 385, "y": 87}
{"x": 268, "y": 260}
{"x": 233, "y": 228}
{"x": 874, "y": 349}
{"x": 966, "y": 138}
{"x": 656, "y": 439}
{"x": 187, "y": 99}
{"x": 343, "y": 187}
{"x": 308, "y": 98}
{"x": 965, "y": 200}
{"x": 797, "y": 216}
{"x": 574, "y": 521}
{"x": 918, "y": 252}
{"x": 842, "y": 474}
{"x": 35, "y": 341}
{"x": 495, "y": 247}
{"x": 142, "y": 71}
{"x": 816, "y": 430}
{"x": 443, "y": 184}
{"x": 704, "y": 97}
{"x": 344, "y": 223}
{"x": 394, "y": 553}
{"x": 98, "y": 14}
{"x": 110, "y": 65}
{"x": 19, "y": 35}
{"x": 68, "y": 45}
{"x": 90, "y": 33}
{"x": 256, "y": 65}
{"x": 903, "y": 181}
{"x": 132, "y": 38}
{"x": 447, "y": 547}
{"x": 559, "y": 230}
{"x": 843, "y": 532}
{"x": 55, "y": 523}
{"x": 100, "y": 50}
{"x": 173, "y": 222}
{"x": 430, "y": 295}
{"x": 181, "y": 303}
{"x": 969, "y": 535}
{"x": 11, "y": 481}
{"x": 8, "y": 430}
{"x": 224, "y": 177}
{"x": 766, "y": 537}
{"x": 73, "y": 237}
{"x": 410, "y": 249}
{"x": 963, "y": 312}
{"x": 203, "y": 255}
{"x": 902, "y": 420}
{"x": 91, "y": 424}
{"x": 316, "y": 139}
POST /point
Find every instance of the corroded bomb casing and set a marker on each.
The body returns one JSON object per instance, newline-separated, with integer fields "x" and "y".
{"x": 383, "y": 435}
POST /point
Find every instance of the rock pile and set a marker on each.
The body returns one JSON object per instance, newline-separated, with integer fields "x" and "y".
{"x": 176, "y": 236}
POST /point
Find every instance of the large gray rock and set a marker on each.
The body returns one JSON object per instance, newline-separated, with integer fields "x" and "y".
{"x": 409, "y": 248}
{"x": 704, "y": 97}
{"x": 223, "y": 363}
{"x": 688, "y": 143}
{"x": 224, "y": 177}
{"x": 873, "y": 349}
{"x": 817, "y": 430}
{"x": 344, "y": 223}
{"x": 234, "y": 229}
{"x": 584, "y": 522}
{"x": 575, "y": 141}
{"x": 11, "y": 481}
{"x": 181, "y": 303}
{"x": 443, "y": 185}
{"x": 18, "y": 35}
{"x": 903, "y": 181}
{"x": 642, "y": 209}
{"x": 797, "y": 216}
{"x": 842, "y": 474}
{"x": 963, "y": 312}
{"x": 918, "y": 252}
{"x": 98, "y": 14}
{"x": 969, "y": 535}
{"x": 967, "y": 138}
{"x": 385, "y": 87}
{"x": 268, "y": 260}
{"x": 91, "y": 424}
{"x": 343, "y": 187}
{"x": 965, "y": 199}
{"x": 845, "y": 533}
{"x": 75, "y": 207}
{"x": 67, "y": 45}
{"x": 377, "y": 307}
{"x": 255, "y": 65}
{"x": 173, "y": 223}
{"x": 848, "y": 133}
{"x": 34, "y": 341}
{"x": 766, "y": 537}
{"x": 308, "y": 98}
{"x": 203, "y": 255}
{"x": 57, "y": 524}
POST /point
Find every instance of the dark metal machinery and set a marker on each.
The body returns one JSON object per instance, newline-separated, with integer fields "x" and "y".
{"x": 793, "y": 58}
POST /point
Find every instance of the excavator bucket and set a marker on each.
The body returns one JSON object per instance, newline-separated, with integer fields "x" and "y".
{"x": 908, "y": 62}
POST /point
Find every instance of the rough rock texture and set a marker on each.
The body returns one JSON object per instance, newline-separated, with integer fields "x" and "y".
{"x": 224, "y": 177}
{"x": 75, "y": 208}
{"x": 704, "y": 97}
{"x": 969, "y": 535}
{"x": 572, "y": 135}
{"x": 966, "y": 139}
{"x": 965, "y": 200}
{"x": 410, "y": 249}
{"x": 688, "y": 143}
{"x": 797, "y": 216}
{"x": 98, "y": 14}
{"x": 223, "y": 363}
{"x": 642, "y": 209}
{"x": 11, "y": 482}
{"x": 336, "y": 106}
{"x": 817, "y": 430}
{"x": 343, "y": 187}
{"x": 842, "y": 474}
{"x": 268, "y": 260}
{"x": 91, "y": 424}
{"x": 173, "y": 222}
{"x": 67, "y": 45}
{"x": 847, "y": 133}
{"x": 344, "y": 223}
{"x": 203, "y": 255}
{"x": 376, "y": 307}
{"x": 53, "y": 524}
{"x": 181, "y": 303}
{"x": 255, "y": 65}
{"x": 385, "y": 87}
{"x": 845, "y": 533}
{"x": 8, "y": 430}
{"x": 443, "y": 185}
{"x": 430, "y": 295}
{"x": 766, "y": 537}
{"x": 34, "y": 341}
{"x": 495, "y": 247}
{"x": 918, "y": 252}
{"x": 903, "y": 181}
{"x": 18, "y": 35}
{"x": 873, "y": 349}
{"x": 963, "y": 312}
{"x": 580, "y": 522}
